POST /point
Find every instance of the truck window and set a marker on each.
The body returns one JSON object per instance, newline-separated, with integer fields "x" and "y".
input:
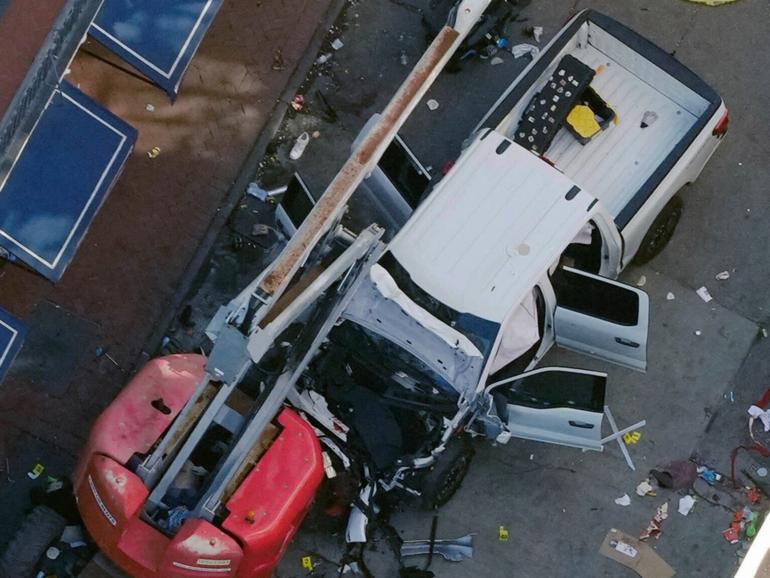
{"x": 585, "y": 251}
{"x": 409, "y": 179}
{"x": 552, "y": 389}
{"x": 596, "y": 298}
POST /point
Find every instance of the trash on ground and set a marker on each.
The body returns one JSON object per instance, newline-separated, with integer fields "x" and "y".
{"x": 307, "y": 562}
{"x": 723, "y": 276}
{"x": 455, "y": 550}
{"x": 299, "y": 146}
{"x": 676, "y": 475}
{"x": 153, "y": 152}
{"x": 337, "y": 44}
{"x": 496, "y": 60}
{"x": 35, "y": 472}
{"x": 654, "y": 528}
{"x": 149, "y": 107}
{"x": 316, "y": 134}
{"x": 502, "y": 534}
{"x": 634, "y": 554}
{"x": 670, "y": 296}
{"x": 709, "y": 475}
{"x": 642, "y": 281}
{"x": 632, "y": 437}
{"x": 763, "y": 415}
{"x": 298, "y": 102}
{"x": 535, "y": 32}
{"x": 432, "y": 104}
{"x": 624, "y": 500}
{"x": 685, "y": 505}
{"x": 753, "y": 495}
{"x": 519, "y": 50}
{"x": 403, "y": 58}
{"x": 645, "y": 488}
{"x": 324, "y": 58}
{"x": 698, "y": 332}
{"x": 704, "y": 294}
{"x": 648, "y": 118}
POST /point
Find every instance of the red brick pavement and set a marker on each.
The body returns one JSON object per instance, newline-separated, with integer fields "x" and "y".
{"x": 127, "y": 269}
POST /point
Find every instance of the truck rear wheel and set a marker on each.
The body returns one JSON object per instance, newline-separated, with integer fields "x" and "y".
{"x": 40, "y": 528}
{"x": 661, "y": 231}
{"x": 447, "y": 474}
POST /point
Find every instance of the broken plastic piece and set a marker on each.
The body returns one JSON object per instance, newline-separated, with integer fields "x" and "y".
{"x": 624, "y": 500}
{"x": 723, "y": 276}
{"x": 670, "y": 296}
{"x": 432, "y": 104}
{"x": 36, "y": 471}
{"x": 685, "y": 505}
{"x": 299, "y": 146}
{"x": 704, "y": 294}
{"x": 645, "y": 489}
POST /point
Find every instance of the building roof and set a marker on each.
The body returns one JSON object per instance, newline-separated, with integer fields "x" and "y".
{"x": 491, "y": 228}
{"x": 37, "y": 40}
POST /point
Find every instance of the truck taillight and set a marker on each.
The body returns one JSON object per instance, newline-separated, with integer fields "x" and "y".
{"x": 720, "y": 129}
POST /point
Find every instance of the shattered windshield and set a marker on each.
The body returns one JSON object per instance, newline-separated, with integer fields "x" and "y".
{"x": 480, "y": 332}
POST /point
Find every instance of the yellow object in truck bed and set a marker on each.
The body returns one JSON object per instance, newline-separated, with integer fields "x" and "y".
{"x": 582, "y": 120}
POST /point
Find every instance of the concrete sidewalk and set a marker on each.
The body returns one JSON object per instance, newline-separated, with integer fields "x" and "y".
{"x": 130, "y": 265}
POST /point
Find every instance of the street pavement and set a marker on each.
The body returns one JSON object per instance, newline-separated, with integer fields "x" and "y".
{"x": 129, "y": 267}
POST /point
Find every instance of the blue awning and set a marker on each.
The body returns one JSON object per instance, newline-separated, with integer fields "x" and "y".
{"x": 158, "y": 38}
{"x": 60, "y": 179}
{"x": 12, "y": 333}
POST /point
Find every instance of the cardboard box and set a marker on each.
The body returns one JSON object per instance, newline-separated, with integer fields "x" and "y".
{"x": 635, "y": 554}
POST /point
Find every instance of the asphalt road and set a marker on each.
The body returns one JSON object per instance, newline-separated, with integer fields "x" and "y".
{"x": 557, "y": 503}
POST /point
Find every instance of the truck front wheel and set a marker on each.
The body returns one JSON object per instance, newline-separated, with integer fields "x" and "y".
{"x": 661, "y": 231}
{"x": 447, "y": 474}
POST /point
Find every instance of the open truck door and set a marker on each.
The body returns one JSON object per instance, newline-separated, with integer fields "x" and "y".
{"x": 601, "y": 317}
{"x": 558, "y": 405}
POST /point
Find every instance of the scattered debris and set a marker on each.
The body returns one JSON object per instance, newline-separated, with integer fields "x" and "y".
{"x": 653, "y": 529}
{"x": 298, "y": 102}
{"x": 403, "y": 58}
{"x": 432, "y": 104}
{"x": 153, "y": 152}
{"x": 686, "y": 505}
{"x": 648, "y": 118}
{"x": 764, "y": 332}
{"x": 753, "y": 495}
{"x": 149, "y": 108}
{"x": 645, "y": 488}
{"x": 324, "y": 58}
{"x": 299, "y": 146}
{"x": 337, "y": 44}
{"x": 634, "y": 554}
{"x": 502, "y": 534}
{"x": 535, "y": 32}
{"x": 698, "y": 332}
{"x": 278, "y": 60}
{"x": 496, "y": 60}
{"x": 624, "y": 500}
{"x": 764, "y": 415}
{"x": 454, "y": 550}
{"x": 708, "y": 475}
{"x": 316, "y": 134}
{"x": 723, "y": 276}
{"x": 35, "y": 472}
{"x": 676, "y": 475}
{"x": 519, "y": 50}
{"x": 704, "y": 294}
{"x": 670, "y": 296}
{"x": 307, "y": 562}
{"x": 642, "y": 281}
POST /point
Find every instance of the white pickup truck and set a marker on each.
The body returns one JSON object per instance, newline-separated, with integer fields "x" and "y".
{"x": 512, "y": 251}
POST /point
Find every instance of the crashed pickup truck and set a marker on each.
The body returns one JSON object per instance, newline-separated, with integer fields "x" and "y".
{"x": 384, "y": 358}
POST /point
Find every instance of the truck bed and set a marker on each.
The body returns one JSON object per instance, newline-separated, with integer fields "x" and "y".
{"x": 623, "y": 164}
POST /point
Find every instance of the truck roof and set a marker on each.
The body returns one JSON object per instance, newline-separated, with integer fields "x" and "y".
{"x": 491, "y": 228}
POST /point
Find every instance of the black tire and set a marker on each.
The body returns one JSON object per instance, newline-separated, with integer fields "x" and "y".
{"x": 40, "y": 528}
{"x": 446, "y": 476}
{"x": 660, "y": 232}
